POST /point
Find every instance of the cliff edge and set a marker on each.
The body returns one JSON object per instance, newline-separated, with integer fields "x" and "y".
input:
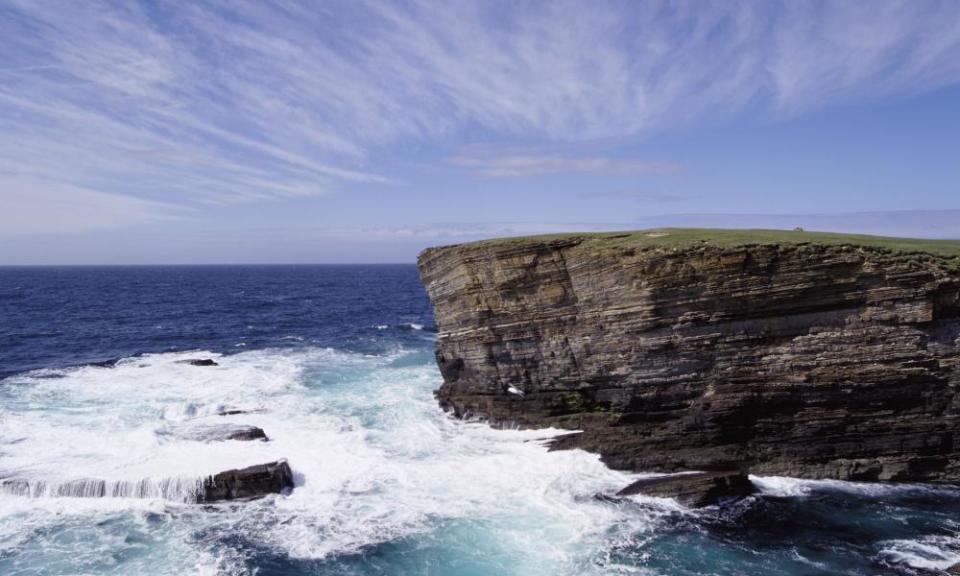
{"x": 793, "y": 353}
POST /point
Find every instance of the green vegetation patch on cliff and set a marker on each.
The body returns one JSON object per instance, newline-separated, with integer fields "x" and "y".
{"x": 686, "y": 237}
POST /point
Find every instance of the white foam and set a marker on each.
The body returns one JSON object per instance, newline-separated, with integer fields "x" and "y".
{"x": 374, "y": 458}
{"x": 934, "y": 552}
{"x": 796, "y": 555}
{"x": 86, "y": 536}
{"x": 374, "y": 461}
{"x": 102, "y": 423}
{"x": 793, "y": 487}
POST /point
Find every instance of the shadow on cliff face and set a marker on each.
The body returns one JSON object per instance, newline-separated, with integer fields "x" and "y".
{"x": 905, "y": 531}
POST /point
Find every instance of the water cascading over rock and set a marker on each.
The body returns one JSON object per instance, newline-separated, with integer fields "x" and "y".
{"x": 242, "y": 484}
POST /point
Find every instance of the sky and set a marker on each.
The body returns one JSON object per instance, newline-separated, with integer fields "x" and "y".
{"x": 298, "y": 132}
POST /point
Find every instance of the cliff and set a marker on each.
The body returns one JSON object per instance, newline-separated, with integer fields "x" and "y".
{"x": 793, "y": 353}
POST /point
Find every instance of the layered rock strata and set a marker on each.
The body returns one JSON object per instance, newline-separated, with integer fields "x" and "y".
{"x": 800, "y": 358}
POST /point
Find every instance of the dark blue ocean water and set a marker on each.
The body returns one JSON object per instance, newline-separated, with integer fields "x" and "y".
{"x": 60, "y": 316}
{"x": 335, "y": 363}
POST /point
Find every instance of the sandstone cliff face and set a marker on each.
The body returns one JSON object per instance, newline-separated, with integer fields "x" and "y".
{"x": 809, "y": 360}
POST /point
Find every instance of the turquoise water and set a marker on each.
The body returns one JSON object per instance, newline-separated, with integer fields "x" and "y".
{"x": 385, "y": 482}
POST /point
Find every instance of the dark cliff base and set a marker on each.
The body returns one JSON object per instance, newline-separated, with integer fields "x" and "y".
{"x": 808, "y": 355}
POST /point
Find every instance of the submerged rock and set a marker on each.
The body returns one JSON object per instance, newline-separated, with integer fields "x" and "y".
{"x": 218, "y": 433}
{"x": 111, "y": 363}
{"x": 246, "y": 483}
{"x": 231, "y": 411}
{"x": 695, "y": 489}
{"x": 199, "y": 362}
{"x": 818, "y": 357}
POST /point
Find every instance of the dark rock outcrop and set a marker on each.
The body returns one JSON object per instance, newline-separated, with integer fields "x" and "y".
{"x": 694, "y": 489}
{"x": 199, "y": 362}
{"x": 809, "y": 359}
{"x": 111, "y": 363}
{"x": 247, "y": 483}
{"x": 231, "y": 411}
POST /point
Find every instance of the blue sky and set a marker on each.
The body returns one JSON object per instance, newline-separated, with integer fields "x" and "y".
{"x": 218, "y": 132}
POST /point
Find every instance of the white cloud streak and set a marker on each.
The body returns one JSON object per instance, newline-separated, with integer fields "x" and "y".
{"x": 531, "y": 164}
{"x": 221, "y": 102}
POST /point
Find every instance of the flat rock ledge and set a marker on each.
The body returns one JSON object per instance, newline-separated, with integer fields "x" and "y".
{"x": 248, "y": 483}
{"x": 696, "y": 489}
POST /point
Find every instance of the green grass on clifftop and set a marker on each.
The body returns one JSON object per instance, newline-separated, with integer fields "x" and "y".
{"x": 678, "y": 237}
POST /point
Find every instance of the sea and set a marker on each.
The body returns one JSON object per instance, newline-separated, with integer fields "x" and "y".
{"x": 335, "y": 364}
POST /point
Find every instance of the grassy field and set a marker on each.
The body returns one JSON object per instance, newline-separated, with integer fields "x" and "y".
{"x": 730, "y": 238}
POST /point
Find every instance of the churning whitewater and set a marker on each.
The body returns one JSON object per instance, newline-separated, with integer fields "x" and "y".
{"x": 104, "y": 446}
{"x": 375, "y": 461}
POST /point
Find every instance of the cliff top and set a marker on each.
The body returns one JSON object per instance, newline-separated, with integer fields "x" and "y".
{"x": 680, "y": 237}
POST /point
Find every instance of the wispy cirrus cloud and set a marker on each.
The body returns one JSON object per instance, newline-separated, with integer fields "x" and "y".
{"x": 467, "y": 231}
{"x": 652, "y": 195}
{"x": 215, "y": 103}
{"x": 533, "y": 164}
